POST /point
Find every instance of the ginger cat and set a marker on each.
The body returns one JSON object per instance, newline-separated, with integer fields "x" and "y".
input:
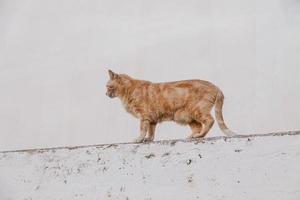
{"x": 187, "y": 102}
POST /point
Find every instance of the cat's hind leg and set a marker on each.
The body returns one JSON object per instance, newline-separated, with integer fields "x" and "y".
{"x": 201, "y": 114}
{"x": 196, "y": 128}
{"x": 207, "y": 122}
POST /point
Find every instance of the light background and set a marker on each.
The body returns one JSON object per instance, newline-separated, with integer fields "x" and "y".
{"x": 54, "y": 56}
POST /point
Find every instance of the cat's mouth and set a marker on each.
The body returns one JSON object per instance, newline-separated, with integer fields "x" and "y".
{"x": 110, "y": 94}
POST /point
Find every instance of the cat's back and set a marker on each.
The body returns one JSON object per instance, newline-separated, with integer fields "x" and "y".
{"x": 191, "y": 84}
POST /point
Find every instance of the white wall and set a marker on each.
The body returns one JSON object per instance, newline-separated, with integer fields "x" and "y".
{"x": 54, "y": 56}
{"x": 250, "y": 168}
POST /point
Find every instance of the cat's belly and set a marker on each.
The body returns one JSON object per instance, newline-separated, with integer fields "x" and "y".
{"x": 180, "y": 117}
{"x": 167, "y": 118}
{"x": 162, "y": 116}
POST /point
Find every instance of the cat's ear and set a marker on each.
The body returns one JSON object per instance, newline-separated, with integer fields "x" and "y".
{"x": 112, "y": 75}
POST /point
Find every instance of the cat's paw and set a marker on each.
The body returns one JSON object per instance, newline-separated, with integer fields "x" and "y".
{"x": 138, "y": 140}
{"x": 148, "y": 139}
{"x": 190, "y": 137}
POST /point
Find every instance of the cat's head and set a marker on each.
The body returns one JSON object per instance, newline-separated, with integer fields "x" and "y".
{"x": 116, "y": 84}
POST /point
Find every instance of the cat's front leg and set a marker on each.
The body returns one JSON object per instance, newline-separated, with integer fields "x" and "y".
{"x": 144, "y": 128}
{"x": 151, "y": 133}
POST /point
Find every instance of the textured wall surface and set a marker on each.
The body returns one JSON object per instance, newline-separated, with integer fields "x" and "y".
{"x": 240, "y": 168}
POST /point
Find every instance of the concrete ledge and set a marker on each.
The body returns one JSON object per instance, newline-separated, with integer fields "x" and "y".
{"x": 243, "y": 167}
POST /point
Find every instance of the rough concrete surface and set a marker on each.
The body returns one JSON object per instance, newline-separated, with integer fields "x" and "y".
{"x": 252, "y": 167}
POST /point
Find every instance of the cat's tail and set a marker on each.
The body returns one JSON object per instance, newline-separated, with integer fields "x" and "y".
{"x": 219, "y": 115}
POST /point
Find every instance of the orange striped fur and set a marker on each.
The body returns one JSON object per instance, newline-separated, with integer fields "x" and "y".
{"x": 187, "y": 102}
